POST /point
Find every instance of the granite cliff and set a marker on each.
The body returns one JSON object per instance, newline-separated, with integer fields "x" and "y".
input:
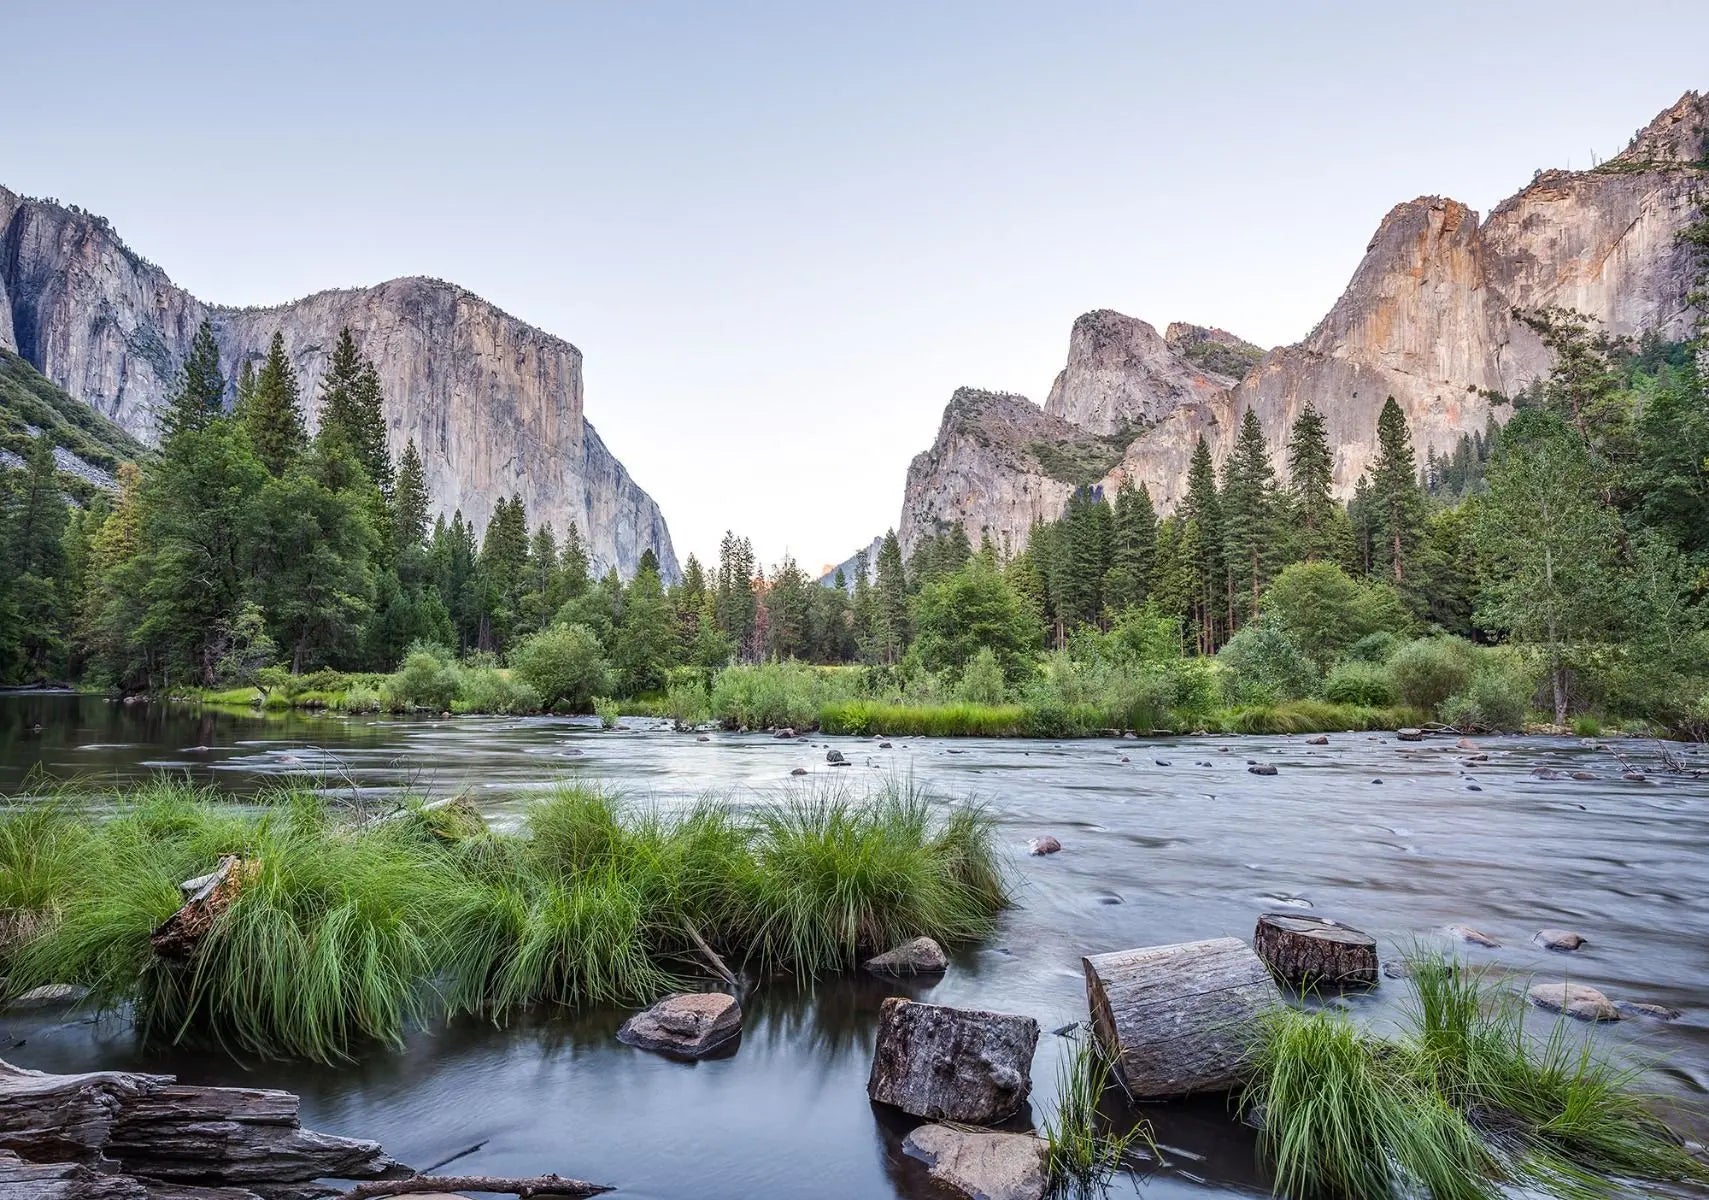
{"x": 494, "y": 404}
{"x": 1428, "y": 317}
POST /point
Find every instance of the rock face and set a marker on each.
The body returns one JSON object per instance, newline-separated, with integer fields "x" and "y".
{"x": 494, "y": 405}
{"x": 981, "y": 1165}
{"x": 1428, "y": 318}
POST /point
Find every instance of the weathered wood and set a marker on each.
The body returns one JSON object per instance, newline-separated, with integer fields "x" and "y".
{"x": 534, "y": 1185}
{"x": 1307, "y": 951}
{"x": 235, "y": 1135}
{"x": 952, "y": 1064}
{"x": 180, "y": 934}
{"x": 150, "y": 1126}
{"x": 1177, "y": 1019}
{"x": 20, "y": 1180}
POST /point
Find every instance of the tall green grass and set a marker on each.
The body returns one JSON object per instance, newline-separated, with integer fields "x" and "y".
{"x": 867, "y": 718}
{"x": 349, "y": 933}
{"x": 1310, "y": 716}
{"x": 1084, "y": 1150}
{"x": 1464, "y": 1104}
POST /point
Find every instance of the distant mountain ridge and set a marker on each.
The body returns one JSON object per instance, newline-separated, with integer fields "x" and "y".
{"x": 494, "y": 404}
{"x": 1428, "y": 317}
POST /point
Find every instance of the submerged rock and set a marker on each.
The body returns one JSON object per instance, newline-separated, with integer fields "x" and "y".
{"x": 1576, "y": 1000}
{"x": 982, "y": 1165}
{"x": 51, "y": 993}
{"x": 799, "y": 771}
{"x": 1318, "y": 740}
{"x": 1659, "y": 1012}
{"x": 1263, "y": 769}
{"x": 1473, "y": 936}
{"x": 1043, "y": 845}
{"x": 922, "y": 956}
{"x": 1558, "y": 939}
{"x": 690, "y": 1024}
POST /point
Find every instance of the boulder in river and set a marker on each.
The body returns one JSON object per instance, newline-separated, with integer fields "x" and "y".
{"x": 799, "y": 771}
{"x": 783, "y": 734}
{"x": 1558, "y": 939}
{"x": 835, "y": 758}
{"x": 689, "y": 1024}
{"x": 1178, "y": 1019}
{"x": 1262, "y": 768}
{"x": 1409, "y": 734}
{"x": 922, "y": 956}
{"x": 1305, "y": 951}
{"x": 1576, "y": 1000}
{"x": 1659, "y": 1012}
{"x": 1043, "y": 845}
{"x": 982, "y": 1165}
{"x": 952, "y": 1064}
{"x": 1317, "y": 740}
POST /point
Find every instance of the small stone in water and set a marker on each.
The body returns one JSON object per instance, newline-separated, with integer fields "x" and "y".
{"x": 1162, "y": 762}
{"x": 1319, "y": 740}
{"x": 1477, "y": 938}
{"x": 1263, "y": 769}
{"x": 1558, "y": 939}
{"x": 1043, "y": 845}
{"x": 1472, "y": 787}
{"x": 1576, "y": 1000}
{"x": 799, "y": 771}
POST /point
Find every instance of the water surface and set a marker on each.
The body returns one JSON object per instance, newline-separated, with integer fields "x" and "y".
{"x": 1163, "y": 841}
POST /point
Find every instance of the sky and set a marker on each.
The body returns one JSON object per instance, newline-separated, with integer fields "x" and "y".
{"x": 783, "y": 234}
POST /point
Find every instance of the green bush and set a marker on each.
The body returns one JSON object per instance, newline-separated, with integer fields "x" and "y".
{"x": 982, "y": 680}
{"x": 1428, "y": 671}
{"x": 776, "y": 695}
{"x": 564, "y": 665}
{"x": 1374, "y": 648}
{"x": 1262, "y": 664}
{"x": 1497, "y": 699}
{"x": 490, "y": 690}
{"x": 1363, "y": 683}
{"x": 424, "y": 681}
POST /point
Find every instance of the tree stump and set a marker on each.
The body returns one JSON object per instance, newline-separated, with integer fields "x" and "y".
{"x": 1176, "y": 1019}
{"x": 952, "y": 1064}
{"x": 209, "y": 896}
{"x": 1305, "y": 951}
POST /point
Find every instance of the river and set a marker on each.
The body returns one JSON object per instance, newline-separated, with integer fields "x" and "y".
{"x": 1163, "y": 840}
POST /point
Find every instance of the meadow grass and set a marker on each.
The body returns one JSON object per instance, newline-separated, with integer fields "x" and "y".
{"x": 1463, "y": 1104}
{"x": 345, "y": 933}
{"x": 1310, "y": 716}
{"x": 868, "y": 718}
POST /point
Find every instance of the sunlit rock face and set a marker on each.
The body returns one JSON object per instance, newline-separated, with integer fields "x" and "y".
{"x": 494, "y": 405}
{"x": 1428, "y": 317}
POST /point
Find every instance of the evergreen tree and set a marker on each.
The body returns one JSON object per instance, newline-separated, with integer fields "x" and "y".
{"x": 1249, "y": 518}
{"x": 502, "y": 568}
{"x": 35, "y": 567}
{"x": 273, "y": 416}
{"x": 1397, "y": 501}
{"x": 788, "y": 606}
{"x": 1311, "y": 466}
{"x": 542, "y": 592}
{"x": 1202, "y": 513}
{"x": 351, "y": 403}
{"x": 573, "y": 564}
{"x": 410, "y": 500}
{"x": 645, "y": 643}
{"x": 890, "y": 600}
{"x": 738, "y": 605}
{"x": 200, "y": 397}
{"x": 1133, "y": 549}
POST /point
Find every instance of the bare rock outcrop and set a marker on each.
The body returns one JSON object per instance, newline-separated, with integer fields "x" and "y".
{"x": 493, "y": 404}
{"x": 1428, "y": 317}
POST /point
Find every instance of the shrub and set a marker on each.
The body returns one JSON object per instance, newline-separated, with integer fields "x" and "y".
{"x": 563, "y": 664}
{"x": 1427, "y": 671}
{"x": 424, "y": 681}
{"x": 490, "y": 690}
{"x": 1587, "y": 726}
{"x": 982, "y": 680}
{"x": 1263, "y": 664}
{"x": 1498, "y": 698}
{"x": 1374, "y": 648}
{"x": 1362, "y": 683}
{"x": 608, "y": 710}
{"x": 778, "y": 694}
{"x": 1325, "y": 611}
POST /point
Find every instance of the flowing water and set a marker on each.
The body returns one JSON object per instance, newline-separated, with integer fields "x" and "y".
{"x": 1163, "y": 841}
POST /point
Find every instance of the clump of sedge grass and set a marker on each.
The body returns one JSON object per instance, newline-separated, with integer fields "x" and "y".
{"x": 1462, "y": 1105}
{"x": 1084, "y": 1149}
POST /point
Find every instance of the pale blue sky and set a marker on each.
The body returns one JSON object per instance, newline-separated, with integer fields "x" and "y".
{"x": 782, "y": 234}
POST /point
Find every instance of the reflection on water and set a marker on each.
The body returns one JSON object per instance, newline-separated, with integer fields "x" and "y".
{"x": 1180, "y": 842}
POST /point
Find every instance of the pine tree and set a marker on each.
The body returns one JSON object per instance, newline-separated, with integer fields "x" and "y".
{"x": 573, "y": 563}
{"x": 645, "y": 643}
{"x": 1397, "y": 502}
{"x": 200, "y": 397}
{"x": 1202, "y": 513}
{"x": 1249, "y": 513}
{"x": 890, "y": 600}
{"x": 738, "y": 606}
{"x": 1087, "y": 538}
{"x": 1311, "y": 466}
{"x": 1134, "y": 548}
{"x": 273, "y": 415}
{"x": 351, "y": 404}
{"x": 789, "y": 612}
{"x": 410, "y": 500}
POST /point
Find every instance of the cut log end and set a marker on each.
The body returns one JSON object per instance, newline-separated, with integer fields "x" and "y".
{"x": 1314, "y": 951}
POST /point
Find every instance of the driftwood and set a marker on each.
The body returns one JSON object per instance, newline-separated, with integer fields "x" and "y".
{"x": 1176, "y": 1019}
{"x": 1305, "y": 951}
{"x": 952, "y": 1064}
{"x": 536, "y": 1185}
{"x": 209, "y": 896}
{"x": 20, "y": 1180}
{"x": 148, "y": 1125}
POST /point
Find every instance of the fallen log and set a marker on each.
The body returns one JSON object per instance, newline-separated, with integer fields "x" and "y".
{"x": 1175, "y": 1019}
{"x": 20, "y": 1180}
{"x": 178, "y": 936}
{"x": 535, "y": 1185}
{"x": 1305, "y": 951}
{"x": 148, "y": 1125}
